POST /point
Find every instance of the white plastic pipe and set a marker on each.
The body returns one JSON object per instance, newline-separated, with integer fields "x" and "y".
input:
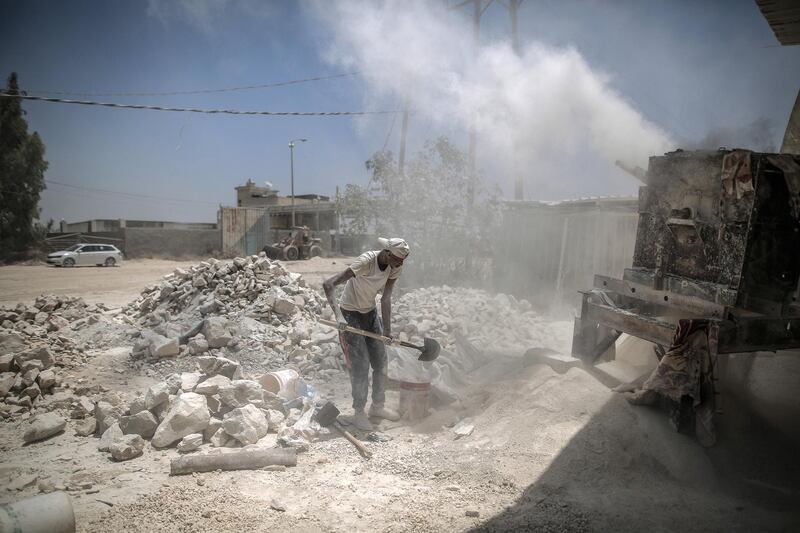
{"x": 48, "y": 513}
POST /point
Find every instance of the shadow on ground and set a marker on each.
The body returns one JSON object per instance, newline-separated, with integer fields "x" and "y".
{"x": 634, "y": 473}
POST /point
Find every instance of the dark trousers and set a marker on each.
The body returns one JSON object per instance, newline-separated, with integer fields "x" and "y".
{"x": 364, "y": 352}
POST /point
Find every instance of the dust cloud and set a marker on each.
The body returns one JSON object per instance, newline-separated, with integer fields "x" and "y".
{"x": 563, "y": 113}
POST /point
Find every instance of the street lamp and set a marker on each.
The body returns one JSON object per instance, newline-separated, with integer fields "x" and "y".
{"x": 291, "y": 159}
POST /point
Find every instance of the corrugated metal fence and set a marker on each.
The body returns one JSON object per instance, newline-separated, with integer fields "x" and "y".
{"x": 244, "y": 230}
{"x": 549, "y": 252}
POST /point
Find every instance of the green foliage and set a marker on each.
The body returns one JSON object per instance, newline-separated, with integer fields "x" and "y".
{"x": 447, "y": 218}
{"x": 358, "y": 210}
{"x": 22, "y": 168}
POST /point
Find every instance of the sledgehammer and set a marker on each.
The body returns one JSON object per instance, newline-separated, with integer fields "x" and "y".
{"x": 428, "y": 351}
{"x": 326, "y": 417}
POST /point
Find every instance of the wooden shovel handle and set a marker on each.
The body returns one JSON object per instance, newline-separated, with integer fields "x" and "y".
{"x": 357, "y": 443}
{"x": 370, "y": 334}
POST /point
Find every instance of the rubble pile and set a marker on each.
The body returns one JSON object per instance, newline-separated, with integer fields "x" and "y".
{"x": 35, "y": 347}
{"x": 216, "y": 406}
{"x": 252, "y": 285}
{"x": 250, "y": 307}
{"x": 500, "y": 321}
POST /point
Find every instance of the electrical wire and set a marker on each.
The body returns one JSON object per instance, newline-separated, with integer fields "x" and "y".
{"x": 197, "y": 110}
{"x": 128, "y": 194}
{"x": 200, "y": 91}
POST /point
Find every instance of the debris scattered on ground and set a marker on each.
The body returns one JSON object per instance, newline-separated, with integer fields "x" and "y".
{"x": 37, "y": 342}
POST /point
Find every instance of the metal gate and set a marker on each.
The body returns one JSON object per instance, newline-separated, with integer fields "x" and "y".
{"x": 245, "y": 230}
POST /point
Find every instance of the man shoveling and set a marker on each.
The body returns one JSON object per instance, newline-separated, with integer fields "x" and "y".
{"x": 370, "y": 273}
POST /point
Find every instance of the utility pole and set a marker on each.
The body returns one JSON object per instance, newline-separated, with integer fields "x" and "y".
{"x": 477, "y": 11}
{"x": 403, "y": 134}
{"x": 516, "y": 164}
{"x": 291, "y": 166}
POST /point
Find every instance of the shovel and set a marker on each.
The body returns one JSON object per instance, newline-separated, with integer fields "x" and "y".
{"x": 326, "y": 417}
{"x": 428, "y": 351}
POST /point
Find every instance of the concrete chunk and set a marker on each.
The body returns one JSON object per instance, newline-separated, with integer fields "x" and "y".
{"x": 246, "y": 424}
{"x": 127, "y": 447}
{"x": 216, "y": 331}
{"x": 143, "y": 423}
{"x": 189, "y": 414}
{"x": 212, "y": 385}
{"x": 44, "y": 426}
{"x": 241, "y": 392}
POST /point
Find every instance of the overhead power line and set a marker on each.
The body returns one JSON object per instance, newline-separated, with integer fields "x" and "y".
{"x": 127, "y": 194}
{"x": 200, "y": 91}
{"x": 198, "y": 110}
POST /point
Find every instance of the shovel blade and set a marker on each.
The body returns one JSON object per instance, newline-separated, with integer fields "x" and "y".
{"x": 430, "y": 350}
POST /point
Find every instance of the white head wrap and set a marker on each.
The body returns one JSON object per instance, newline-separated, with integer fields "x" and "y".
{"x": 398, "y": 247}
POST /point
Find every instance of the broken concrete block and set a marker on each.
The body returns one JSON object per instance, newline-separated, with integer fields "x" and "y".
{"x": 156, "y": 395}
{"x": 284, "y": 306}
{"x": 108, "y": 437}
{"x": 137, "y": 405}
{"x": 47, "y": 379}
{"x": 7, "y": 380}
{"x": 7, "y": 363}
{"x": 190, "y": 443}
{"x": 173, "y": 382}
{"x": 143, "y": 423}
{"x": 215, "y": 405}
{"x": 246, "y": 424}
{"x": 127, "y": 447}
{"x": 106, "y": 415}
{"x": 31, "y": 392}
{"x": 44, "y": 426}
{"x": 41, "y": 353}
{"x": 216, "y": 331}
{"x": 85, "y": 426}
{"x": 189, "y": 381}
{"x": 275, "y": 419}
{"x": 189, "y": 414}
{"x": 213, "y": 366}
{"x": 219, "y": 439}
{"x": 241, "y": 392}
{"x": 213, "y": 425}
{"x": 212, "y": 385}
{"x": 161, "y": 346}
{"x": 55, "y": 323}
{"x": 198, "y": 344}
{"x": 29, "y": 377}
{"x": 11, "y": 342}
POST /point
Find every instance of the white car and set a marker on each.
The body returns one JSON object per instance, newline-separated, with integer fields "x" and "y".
{"x": 87, "y": 254}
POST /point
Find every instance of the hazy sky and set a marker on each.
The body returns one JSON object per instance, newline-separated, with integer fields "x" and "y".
{"x": 682, "y": 73}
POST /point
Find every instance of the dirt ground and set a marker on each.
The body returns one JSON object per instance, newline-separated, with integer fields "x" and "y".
{"x": 117, "y": 286}
{"x": 549, "y": 452}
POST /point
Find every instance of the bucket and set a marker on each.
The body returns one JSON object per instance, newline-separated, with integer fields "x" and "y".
{"x": 414, "y": 400}
{"x": 284, "y": 383}
{"x": 48, "y": 513}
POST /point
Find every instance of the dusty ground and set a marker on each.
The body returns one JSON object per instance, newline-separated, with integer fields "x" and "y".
{"x": 549, "y": 452}
{"x": 119, "y": 285}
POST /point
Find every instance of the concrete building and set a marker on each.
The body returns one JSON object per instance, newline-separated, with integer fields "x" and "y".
{"x": 313, "y": 210}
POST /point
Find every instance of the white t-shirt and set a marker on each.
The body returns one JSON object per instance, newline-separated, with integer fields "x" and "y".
{"x": 360, "y": 290}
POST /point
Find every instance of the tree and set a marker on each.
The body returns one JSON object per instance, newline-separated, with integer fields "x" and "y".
{"x": 431, "y": 205}
{"x": 22, "y": 168}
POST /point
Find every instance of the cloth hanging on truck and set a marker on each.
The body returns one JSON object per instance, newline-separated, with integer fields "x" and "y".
{"x": 685, "y": 377}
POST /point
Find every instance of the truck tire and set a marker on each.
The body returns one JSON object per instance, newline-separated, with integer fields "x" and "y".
{"x": 315, "y": 251}
{"x": 290, "y": 253}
